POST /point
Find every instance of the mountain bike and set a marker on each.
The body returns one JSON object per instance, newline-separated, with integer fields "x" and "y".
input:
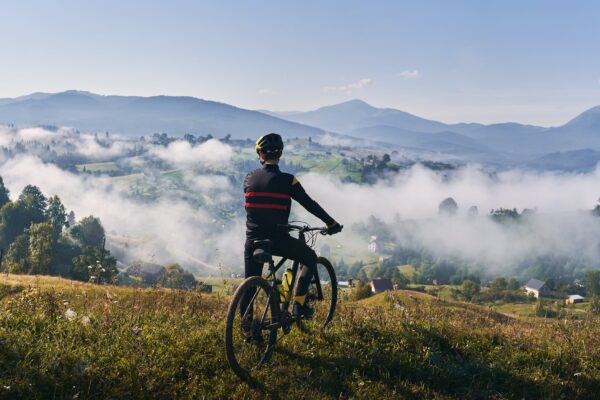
{"x": 260, "y": 306}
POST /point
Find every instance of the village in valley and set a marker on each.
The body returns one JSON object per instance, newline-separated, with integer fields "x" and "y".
{"x": 376, "y": 255}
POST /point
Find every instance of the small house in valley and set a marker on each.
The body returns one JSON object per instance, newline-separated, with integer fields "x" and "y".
{"x": 536, "y": 287}
{"x": 575, "y": 298}
{"x": 379, "y": 285}
{"x": 346, "y": 284}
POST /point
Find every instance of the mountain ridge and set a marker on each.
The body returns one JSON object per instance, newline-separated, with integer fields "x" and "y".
{"x": 515, "y": 140}
{"x": 137, "y": 115}
{"x": 133, "y": 116}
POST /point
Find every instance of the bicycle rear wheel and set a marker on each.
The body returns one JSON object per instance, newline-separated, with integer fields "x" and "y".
{"x": 323, "y": 301}
{"x": 250, "y": 333}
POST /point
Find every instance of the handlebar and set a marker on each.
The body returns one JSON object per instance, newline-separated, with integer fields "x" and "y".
{"x": 302, "y": 228}
{"x": 305, "y": 228}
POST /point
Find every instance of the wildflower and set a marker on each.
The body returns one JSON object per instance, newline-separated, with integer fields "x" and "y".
{"x": 85, "y": 320}
{"x": 70, "y": 314}
{"x": 137, "y": 331}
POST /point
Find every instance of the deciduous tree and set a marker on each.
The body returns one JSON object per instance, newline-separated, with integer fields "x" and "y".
{"x": 41, "y": 247}
{"x": 89, "y": 232}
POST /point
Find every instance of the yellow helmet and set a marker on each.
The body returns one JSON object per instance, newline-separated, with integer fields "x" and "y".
{"x": 271, "y": 143}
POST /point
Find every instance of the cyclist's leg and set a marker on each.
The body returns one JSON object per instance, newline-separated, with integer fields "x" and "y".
{"x": 296, "y": 249}
{"x": 251, "y": 268}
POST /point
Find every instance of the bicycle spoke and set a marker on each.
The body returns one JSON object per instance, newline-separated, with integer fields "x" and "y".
{"x": 250, "y": 332}
{"x": 322, "y": 296}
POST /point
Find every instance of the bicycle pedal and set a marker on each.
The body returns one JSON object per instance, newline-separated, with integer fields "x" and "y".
{"x": 286, "y": 321}
{"x": 254, "y": 340}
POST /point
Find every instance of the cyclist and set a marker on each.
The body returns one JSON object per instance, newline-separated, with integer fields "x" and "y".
{"x": 268, "y": 193}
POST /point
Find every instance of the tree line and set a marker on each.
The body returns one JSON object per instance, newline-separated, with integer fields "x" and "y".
{"x": 37, "y": 236}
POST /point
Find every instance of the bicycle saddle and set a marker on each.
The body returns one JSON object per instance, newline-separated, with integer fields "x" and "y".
{"x": 263, "y": 244}
{"x": 261, "y": 256}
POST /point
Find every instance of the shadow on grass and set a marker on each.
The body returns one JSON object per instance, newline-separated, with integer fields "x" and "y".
{"x": 445, "y": 371}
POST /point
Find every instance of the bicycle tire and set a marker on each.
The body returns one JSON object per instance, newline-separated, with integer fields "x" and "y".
{"x": 324, "y": 309}
{"x": 235, "y": 342}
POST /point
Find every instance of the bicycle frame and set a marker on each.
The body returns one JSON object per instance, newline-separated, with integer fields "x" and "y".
{"x": 273, "y": 281}
{"x": 270, "y": 313}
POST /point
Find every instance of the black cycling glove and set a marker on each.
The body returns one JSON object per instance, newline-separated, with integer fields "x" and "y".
{"x": 334, "y": 228}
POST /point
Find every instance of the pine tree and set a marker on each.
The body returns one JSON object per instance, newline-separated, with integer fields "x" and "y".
{"x": 4, "y": 193}
{"x": 56, "y": 215}
{"x": 71, "y": 219}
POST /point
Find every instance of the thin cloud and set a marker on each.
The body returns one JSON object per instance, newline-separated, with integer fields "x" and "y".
{"x": 182, "y": 154}
{"x": 410, "y": 74}
{"x": 358, "y": 85}
{"x": 361, "y": 83}
{"x": 264, "y": 92}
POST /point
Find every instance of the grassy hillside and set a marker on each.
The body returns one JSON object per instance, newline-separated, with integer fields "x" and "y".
{"x": 62, "y": 339}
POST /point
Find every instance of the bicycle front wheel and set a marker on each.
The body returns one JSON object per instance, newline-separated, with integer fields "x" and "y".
{"x": 250, "y": 330}
{"x": 322, "y": 295}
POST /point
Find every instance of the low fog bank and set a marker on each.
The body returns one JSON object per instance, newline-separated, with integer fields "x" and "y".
{"x": 418, "y": 192}
{"x": 168, "y": 230}
{"x": 572, "y": 240}
{"x": 61, "y": 141}
{"x": 206, "y": 233}
{"x": 559, "y": 224}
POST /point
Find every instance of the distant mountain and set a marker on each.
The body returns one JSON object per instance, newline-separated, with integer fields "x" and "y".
{"x": 450, "y": 142}
{"x": 511, "y": 138}
{"x": 568, "y": 147}
{"x": 135, "y": 116}
{"x": 581, "y": 132}
{"x": 574, "y": 161}
{"x": 34, "y": 96}
{"x": 515, "y": 141}
{"x": 356, "y": 114}
{"x": 587, "y": 120}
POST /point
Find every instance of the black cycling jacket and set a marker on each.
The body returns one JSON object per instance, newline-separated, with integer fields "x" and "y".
{"x": 268, "y": 193}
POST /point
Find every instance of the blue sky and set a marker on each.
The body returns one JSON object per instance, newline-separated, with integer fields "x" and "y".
{"x": 525, "y": 61}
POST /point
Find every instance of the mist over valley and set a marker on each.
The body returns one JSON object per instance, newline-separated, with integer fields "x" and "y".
{"x": 171, "y": 193}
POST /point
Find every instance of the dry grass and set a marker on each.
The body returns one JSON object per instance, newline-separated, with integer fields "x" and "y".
{"x": 62, "y": 339}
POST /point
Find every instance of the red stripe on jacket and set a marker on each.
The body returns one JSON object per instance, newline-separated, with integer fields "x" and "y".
{"x": 268, "y": 194}
{"x": 273, "y": 206}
